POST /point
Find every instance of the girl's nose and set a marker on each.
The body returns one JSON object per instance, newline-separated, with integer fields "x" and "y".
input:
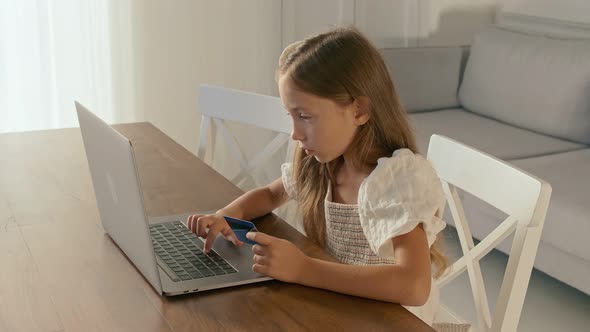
{"x": 296, "y": 134}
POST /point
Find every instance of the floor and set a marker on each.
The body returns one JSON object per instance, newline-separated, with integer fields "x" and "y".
{"x": 550, "y": 305}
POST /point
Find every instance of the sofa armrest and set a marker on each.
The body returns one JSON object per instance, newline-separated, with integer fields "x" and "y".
{"x": 426, "y": 78}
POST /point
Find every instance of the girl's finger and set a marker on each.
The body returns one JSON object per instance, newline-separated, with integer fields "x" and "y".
{"x": 192, "y": 222}
{"x": 201, "y": 226}
{"x": 229, "y": 234}
{"x": 262, "y": 238}
{"x": 260, "y": 260}
{"x": 189, "y": 222}
{"x": 210, "y": 237}
{"x": 260, "y": 269}
{"x": 258, "y": 250}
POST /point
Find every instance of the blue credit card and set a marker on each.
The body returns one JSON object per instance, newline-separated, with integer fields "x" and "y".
{"x": 241, "y": 228}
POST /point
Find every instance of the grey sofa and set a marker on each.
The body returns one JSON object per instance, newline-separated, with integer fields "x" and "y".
{"x": 524, "y": 98}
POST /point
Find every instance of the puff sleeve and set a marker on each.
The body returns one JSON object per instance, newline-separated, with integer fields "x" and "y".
{"x": 401, "y": 192}
{"x": 288, "y": 181}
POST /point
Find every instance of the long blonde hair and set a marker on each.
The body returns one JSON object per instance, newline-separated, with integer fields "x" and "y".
{"x": 343, "y": 65}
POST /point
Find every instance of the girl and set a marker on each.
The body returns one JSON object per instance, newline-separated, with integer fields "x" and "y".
{"x": 366, "y": 196}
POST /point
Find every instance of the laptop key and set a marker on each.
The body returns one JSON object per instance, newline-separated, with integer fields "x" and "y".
{"x": 207, "y": 273}
{"x": 185, "y": 277}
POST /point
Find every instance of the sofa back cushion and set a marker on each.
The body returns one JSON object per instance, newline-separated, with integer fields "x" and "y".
{"x": 425, "y": 78}
{"x": 530, "y": 81}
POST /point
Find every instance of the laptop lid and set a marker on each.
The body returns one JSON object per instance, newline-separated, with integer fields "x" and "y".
{"x": 118, "y": 192}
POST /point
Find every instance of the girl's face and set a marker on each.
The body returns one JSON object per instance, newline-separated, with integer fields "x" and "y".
{"x": 323, "y": 128}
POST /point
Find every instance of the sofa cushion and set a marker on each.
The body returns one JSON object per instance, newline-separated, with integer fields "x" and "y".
{"x": 567, "y": 224}
{"x": 534, "y": 82}
{"x": 491, "y": 136}
{"x": 425, "y": 78}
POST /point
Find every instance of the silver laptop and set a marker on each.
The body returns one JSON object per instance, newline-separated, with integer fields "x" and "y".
{"x": 163, "y": 249}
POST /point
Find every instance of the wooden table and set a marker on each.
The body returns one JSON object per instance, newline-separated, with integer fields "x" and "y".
{"x": 60, "y": 272}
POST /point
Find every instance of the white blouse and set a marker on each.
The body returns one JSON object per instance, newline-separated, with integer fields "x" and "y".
{"x": 401, "y": 192}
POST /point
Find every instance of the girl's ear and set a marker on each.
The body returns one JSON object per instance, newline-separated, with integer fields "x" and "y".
{"x": 362, "y": 106}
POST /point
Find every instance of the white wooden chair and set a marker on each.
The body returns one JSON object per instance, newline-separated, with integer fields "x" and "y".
{"x": 520, "y": 195}
{"x": 218, "y": 105}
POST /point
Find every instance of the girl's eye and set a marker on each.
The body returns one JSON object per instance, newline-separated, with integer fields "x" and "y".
{"x": 300, "y": 115}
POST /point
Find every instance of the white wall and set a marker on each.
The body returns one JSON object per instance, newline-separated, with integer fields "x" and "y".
{"x": 302, "y": 18}
{"x": 392, "y": 23}
{"x": 567, "y": 10}
{"x": 453, "y": 22}
{"x": 181, "y": 44}
{"x": 388, "y": 23}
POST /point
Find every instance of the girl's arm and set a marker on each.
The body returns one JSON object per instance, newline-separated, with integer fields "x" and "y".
{"x": 257, "y": 202}
{"x": 406, "y": 282}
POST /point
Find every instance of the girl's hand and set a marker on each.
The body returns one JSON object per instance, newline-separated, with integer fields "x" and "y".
{"x": 208, "y": 226}
{"x": 277, "y": 258}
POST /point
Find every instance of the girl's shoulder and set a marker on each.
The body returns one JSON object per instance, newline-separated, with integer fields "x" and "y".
{"x": 402, "y": 191}
{"x": 405, "y": 176}
{"x": 403, "y": 162}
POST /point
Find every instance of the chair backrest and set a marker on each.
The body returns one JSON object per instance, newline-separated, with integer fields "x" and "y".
{"x": 520, "y": 195}
{"x": 217, "y": 104}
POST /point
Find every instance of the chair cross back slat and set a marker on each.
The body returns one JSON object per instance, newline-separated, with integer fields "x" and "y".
{"x": 230, "y": 140}
{"x": 278, "y": 141}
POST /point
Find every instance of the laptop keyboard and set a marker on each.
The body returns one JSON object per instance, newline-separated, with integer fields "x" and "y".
{"x": 178, "y": 248}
